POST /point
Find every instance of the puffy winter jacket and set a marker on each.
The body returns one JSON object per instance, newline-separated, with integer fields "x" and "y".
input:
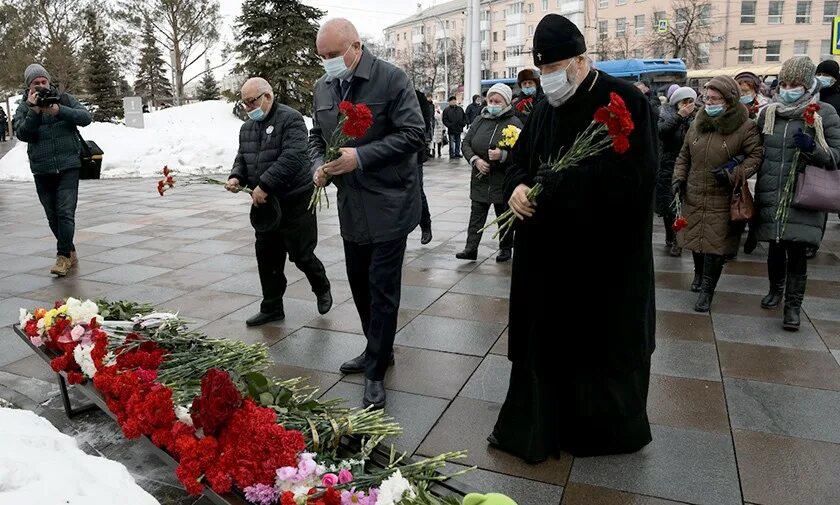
{"x": 672, "y": 131}
{"x": 54, "y": 143}
{"x": 272, "y": 153}
{"x": 802, "y": 225}
{"x": 484, "y": 134}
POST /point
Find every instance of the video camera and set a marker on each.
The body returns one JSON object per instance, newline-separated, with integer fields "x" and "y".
{"x": 46, "y": 96}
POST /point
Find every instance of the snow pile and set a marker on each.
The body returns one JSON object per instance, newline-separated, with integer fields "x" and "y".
{"x": 40, "y": 465}
{"x": 197, "y": 138}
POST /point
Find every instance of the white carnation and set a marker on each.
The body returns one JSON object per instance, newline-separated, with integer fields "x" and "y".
{"x": 82, "y": 312}
{"x": 83, "y": 358}
{"x": 183, "y": 415}
{"x": 394, "y": 489}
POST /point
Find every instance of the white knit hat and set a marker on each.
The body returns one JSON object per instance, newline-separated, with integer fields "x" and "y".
{"x": 681, "y": 94}
{"x": 503, "y": 90}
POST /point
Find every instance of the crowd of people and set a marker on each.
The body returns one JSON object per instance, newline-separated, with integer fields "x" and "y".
{"x": 580, "y": 366}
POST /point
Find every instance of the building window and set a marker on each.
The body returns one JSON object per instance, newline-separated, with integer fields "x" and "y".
{"x": 485, "y": 54}
{"x": 512, "y": 72}
{"x": 638, "y": 53}
{"x": 777, "y": 7}
{"x": 703, "y": 51}
{"x": 620, "y": 2}
{"x": 639, "y": 24}
{"x": 531, "y": 30}
{"x": 774, "y": 51}
{"x": 603, "y": 29}
{"x": 800, "y": 48}
{"x": 620, "y": 27}
{"x": 504, "y": 34}
{"x": 681, "y": 15}
{"x": 658, "y": 51}
{"x": 504, "y": 55}
{"x": 485, "y": 74}
{"x": 495, "y": 75}
{"x": 745, "y": 51}
{"x": 620, "y": 55}
{"x": 825, "y": 49}
{"x": 495, "y": 55}
{"x": 747, "y": 12}
{"x": 706, "y": 14}
{"x": 545, "y": 5}
{"x": 603, "y": 4}
{"x": 530, "y": 8}
{"x": 803, "y": 12}
{"x": 829, "y": 11}
{"x": 495, "y": 36}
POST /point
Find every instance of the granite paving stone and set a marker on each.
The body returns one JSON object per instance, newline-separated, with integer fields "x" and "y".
{"x": 813, "y": 369}
{"x": 687, "y": 403}
{"x": 490, "y": 380}
{"x": 682, "y": 358}
{"x": 450, "y": 335}
{"x": 765, "y": 331}
{"x": 584, "y": 494}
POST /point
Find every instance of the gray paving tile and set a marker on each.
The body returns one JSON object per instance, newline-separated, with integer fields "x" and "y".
{"x": 122, "y": 255}
{"x": 765, "y": 331}
{"x": 684, "y": 465}
{"x": 743, "y": 284}
{"x": 126, "y": 274}
{"x": 418, "y": 298}
{"x": 523, "y": 491}
{"x": 490, "y": 381}
{"x": 187, "y": 279}
{"x": 836, "y": 354}
{"x": 416, "y": 414}
{"x": 682, "y": 358}
{"x": 10, "y": 308}
{"x": 113, "y": 228}
{"x": 784, "y": 410}
{"x": 827, "y": 309}
{"x": 318, "y": 349}
{"x": 451, "y": 335}
{"x": 13, "y": 347}
{"x": 16, "y": 284}
{"x": 155, "y": 295}
{"x": 673, "y": 300}
{"x": 246, "y": 283}
{"x": 211, "y": 246}
{"x": 486, "y": 285}
{"x": 209, "y": 305}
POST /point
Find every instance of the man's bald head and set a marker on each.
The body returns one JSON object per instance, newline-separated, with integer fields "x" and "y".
{"x": 256, "y": 93}
{"x": 339, "y": 38}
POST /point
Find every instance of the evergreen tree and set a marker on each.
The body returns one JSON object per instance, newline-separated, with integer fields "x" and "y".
{"x": 209, "y": 88}
{"x": 151, "y": 82}
{"x": 102, "y": 79}
{"x": 266, "y": 25}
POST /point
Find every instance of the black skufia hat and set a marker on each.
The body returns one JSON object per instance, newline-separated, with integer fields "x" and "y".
{"x": 556, "y": 38}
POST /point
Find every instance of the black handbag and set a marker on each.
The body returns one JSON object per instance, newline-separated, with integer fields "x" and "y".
{"x": 91, "y": 158}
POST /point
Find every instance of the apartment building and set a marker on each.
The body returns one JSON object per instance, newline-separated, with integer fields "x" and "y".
{"x": 729, "y": 33}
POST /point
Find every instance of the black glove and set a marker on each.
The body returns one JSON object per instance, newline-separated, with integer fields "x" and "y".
{"x": 804, "y": 142}
{"x": 678, "y": 188}
{"x": 549, "y": 179}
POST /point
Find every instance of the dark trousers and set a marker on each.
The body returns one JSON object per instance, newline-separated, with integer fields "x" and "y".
{"x": 790, "y": 253}
{"x": 375, "y": 275}
{"x": 297, "y": 236}
{"x": 3, "y": 134}
{"x": 425, "y": 216}
{"x": 454, "y": 144}
{"x": 59, "y": 194}
{"x": 670, "y": 236}
{"x": 478, "y": 216}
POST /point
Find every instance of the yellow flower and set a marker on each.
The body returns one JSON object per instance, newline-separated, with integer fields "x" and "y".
{"x": 510, "y": 134}
{"x": 52, "y": 314}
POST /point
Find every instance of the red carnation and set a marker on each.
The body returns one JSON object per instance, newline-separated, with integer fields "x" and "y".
{"x": 358, "y": 119}
{"x": 679, "y": 224}
{"x": 618, "y": 121}
{"x": 808, "y": 115}
{"x": 218, "y": 400}
{"x": 287, "y": 498}
{"x": 166, "y": 170}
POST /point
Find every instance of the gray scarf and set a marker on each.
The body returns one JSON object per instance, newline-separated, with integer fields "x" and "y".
{"x": 794, "y": 110}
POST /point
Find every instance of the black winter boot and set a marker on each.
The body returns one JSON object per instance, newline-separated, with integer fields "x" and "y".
{"x": 776, "y": 267}
{"x": 794, "y": 294}
{"x": 712, "y": 268}
{"x": 698, "y": 272}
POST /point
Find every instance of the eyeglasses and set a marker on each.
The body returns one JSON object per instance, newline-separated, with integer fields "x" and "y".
{"x": 714, "y": 100}
{"x": 250, "y": 102}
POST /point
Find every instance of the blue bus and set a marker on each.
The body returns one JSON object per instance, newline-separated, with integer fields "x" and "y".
{"x": 661, "y": 73}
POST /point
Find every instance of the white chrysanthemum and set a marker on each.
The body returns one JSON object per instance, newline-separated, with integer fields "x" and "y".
{"x": 82, "y": 312}
{"x": 24, "y": 317}
{"x": 394, "y": 489}
{"x": 83, "y": 358}
{"x": 183, "y": 415}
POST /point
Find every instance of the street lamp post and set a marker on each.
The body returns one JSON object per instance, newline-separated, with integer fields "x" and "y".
{"x": 445, "y": 57}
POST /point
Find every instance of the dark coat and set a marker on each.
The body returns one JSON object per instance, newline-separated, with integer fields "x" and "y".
{"x": 803, "y": 225}
{"x": 484, "y": 134}
{"x": 712, "y": 142}
{"x": 272, "y": 154}
{"x": 672, "y": 131}
{"x": 522, "y": 96}
{"x": 380, "y": 200}
{"x": 54, "y": 144}
{"x": 831, "y": 96}
{"x": 473, "y": 111}
{"x": 454, "y": 119}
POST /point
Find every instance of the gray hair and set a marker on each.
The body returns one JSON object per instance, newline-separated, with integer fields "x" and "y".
{"x": 262, "y": 86}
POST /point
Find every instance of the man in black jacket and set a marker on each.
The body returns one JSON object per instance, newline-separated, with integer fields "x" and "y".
{"x": 473, "y": 109}
{"x": 454, "y": 120}
{"x": 378, "y": 186}
{"x": 272, "y": 162}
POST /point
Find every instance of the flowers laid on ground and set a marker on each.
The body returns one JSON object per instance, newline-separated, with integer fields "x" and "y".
{"x": 810, "y": 117}
{"x": 610, "y": 127}
{"x": 229, "y": 426}
{"x": 168, "y": 181}
{"x": 354, "y": 120}
{"x": 525, "y": 106}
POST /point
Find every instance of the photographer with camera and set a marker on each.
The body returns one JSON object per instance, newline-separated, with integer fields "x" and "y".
{"x": 47, "y": 120}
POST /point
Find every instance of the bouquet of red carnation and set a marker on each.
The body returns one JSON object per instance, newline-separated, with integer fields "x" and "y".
{"x": 611, "y": 127}
{"x": 354, "y": 120}
{"x": 168, "y": 181}
{"x": 525, "y": 106}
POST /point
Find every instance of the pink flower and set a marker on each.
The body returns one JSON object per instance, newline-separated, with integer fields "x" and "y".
{"x": 329, "y": 480}
{"x": 354, "y": 497}
{"x": 37, "y": 341}
{"x": 77, "y": 332}
{"x": 344, "y": 476}
{"x": 306, "y": 467}
{"x": 286, "y": 473}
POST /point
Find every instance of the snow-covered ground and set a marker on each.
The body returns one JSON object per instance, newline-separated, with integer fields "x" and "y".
{"x": 197, "y": 138}
{"x": 40, "y": 465}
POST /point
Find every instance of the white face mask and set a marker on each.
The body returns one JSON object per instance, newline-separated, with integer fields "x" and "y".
{"x": 336, "y": 68}
{"x": 557, "y": 87}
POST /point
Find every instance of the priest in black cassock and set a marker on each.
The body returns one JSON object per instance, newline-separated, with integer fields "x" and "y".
{"x": 582, "y": 315}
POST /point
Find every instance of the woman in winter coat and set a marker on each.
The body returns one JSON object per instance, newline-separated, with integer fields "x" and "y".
{"x": 722, "y": 147}
{"x": 786, "y": 132}
{"x": 675, "y": 117}
{"x": 488, "y": 168}
{"x": 755, "y": 102}
{"x": 439, "y": 132}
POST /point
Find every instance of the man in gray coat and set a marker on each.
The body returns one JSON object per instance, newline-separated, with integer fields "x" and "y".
{"x": 377, "y": 179}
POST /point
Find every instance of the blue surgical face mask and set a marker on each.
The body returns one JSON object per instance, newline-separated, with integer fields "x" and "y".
{"x": 791, "y": 95}
{"x": 747, "y": 99}
{"x": 714, "y": 110}
{"x": 336, "y": 68}
{"x": 529, "y": 91}
{"x": 257, "y": 114}
{"x": 494, "y": 110}
{"x": 826, "y": 81}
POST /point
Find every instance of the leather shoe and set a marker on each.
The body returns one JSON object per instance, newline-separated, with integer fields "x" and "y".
{"x": 504, "y": 255}
{"x": 426, "y": 236}
{"x": 374, "y": 394}
{"x": 467, "y": 255}
{"x": 261, "y": 318}
{"x": 357, "y": 364}
{"x": 325, "y": 302}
